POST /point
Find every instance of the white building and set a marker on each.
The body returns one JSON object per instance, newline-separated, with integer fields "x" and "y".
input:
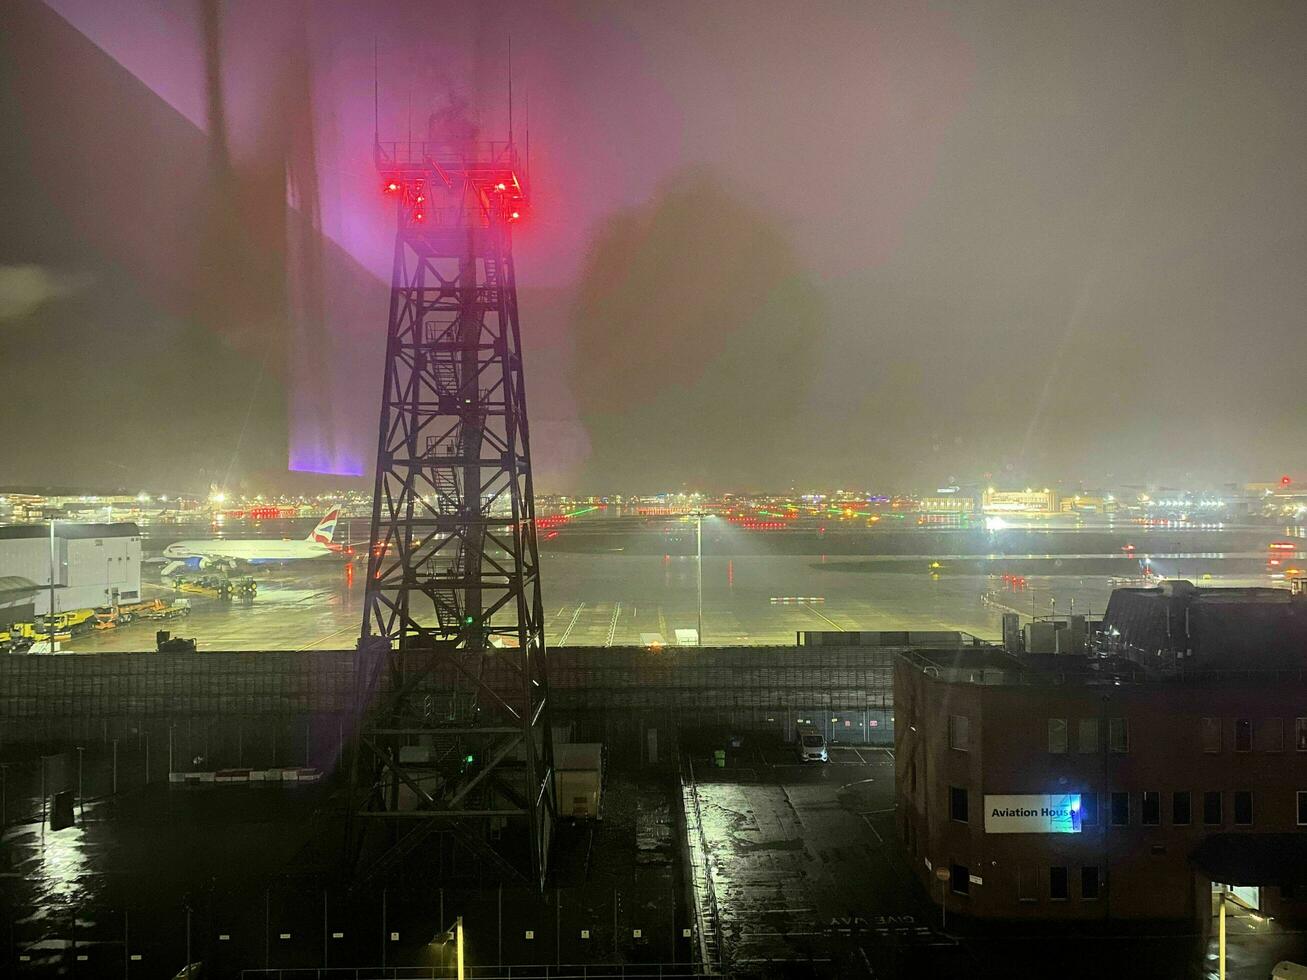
{"x": 92, "y": 564}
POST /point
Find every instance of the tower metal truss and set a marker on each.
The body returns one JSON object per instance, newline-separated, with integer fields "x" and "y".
{"x": 454, "y": 740}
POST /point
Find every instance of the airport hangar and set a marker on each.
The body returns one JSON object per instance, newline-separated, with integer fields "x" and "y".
{"x": 91, "y": 565}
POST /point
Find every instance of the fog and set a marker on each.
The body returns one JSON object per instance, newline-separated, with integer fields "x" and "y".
{"x": 874, "y": 245}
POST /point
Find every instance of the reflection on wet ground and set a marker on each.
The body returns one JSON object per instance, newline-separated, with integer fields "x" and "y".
{"x": 811, "y": 879}
{"x": 607, "y": 600}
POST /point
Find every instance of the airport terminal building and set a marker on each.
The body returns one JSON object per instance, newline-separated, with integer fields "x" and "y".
{"x": 1100, "y": 787}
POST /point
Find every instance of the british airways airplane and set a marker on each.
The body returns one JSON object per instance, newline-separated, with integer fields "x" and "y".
{"x": 253, "y": 551}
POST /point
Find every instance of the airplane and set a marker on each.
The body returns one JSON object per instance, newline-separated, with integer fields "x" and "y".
{"x": 252, "y": 551}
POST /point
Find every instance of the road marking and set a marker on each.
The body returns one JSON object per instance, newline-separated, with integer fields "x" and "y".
{"x": 808, "y": 606}
{"x": 326, "y": 637}
{"x": 858, "y": 782}
{"x": 871, "y": 828}
{"x": 575, "y": 616}
{"x": 612, "y": 627}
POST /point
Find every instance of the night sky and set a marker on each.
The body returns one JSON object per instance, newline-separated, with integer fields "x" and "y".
{"x": 874, "y": 245}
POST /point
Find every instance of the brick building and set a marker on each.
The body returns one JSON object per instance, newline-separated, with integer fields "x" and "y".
{"x": 1094, "y": 788}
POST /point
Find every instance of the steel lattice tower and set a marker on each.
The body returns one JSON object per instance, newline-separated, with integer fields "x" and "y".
{"x": 453, "y": 690}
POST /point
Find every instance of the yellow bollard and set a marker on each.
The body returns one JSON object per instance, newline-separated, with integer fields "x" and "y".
{"x": 1221, "y": 940}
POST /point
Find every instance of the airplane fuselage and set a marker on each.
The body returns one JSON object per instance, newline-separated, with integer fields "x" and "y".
{"x": 250, "y": 550}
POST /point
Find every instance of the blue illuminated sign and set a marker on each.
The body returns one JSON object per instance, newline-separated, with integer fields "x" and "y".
{"x": 1033, "y": 814}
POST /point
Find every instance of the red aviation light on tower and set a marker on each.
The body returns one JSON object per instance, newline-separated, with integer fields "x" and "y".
{"x": 392, "y": 186}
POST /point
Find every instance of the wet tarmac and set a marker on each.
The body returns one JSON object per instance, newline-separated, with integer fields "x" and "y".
{"x": 637, "y": 600}
{"x": 811, "y": 880}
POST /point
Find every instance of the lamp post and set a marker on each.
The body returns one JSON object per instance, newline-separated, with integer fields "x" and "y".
{"x": 942, "y": 875}
{"x": 1221, "y": 939}
{"x": 698, "y": 514}
{"x": 698, "y": 547}
{"x": 81, "y": 807}
{"x": 49, "y": 620}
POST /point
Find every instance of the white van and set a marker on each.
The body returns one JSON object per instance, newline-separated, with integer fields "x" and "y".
{"x": 810, "y": 744}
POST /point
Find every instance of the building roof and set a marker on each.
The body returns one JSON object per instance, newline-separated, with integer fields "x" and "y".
{"x": 69, "y": 530}
{"x": 16, "y": 585}
{"x": 1249, "y": 627}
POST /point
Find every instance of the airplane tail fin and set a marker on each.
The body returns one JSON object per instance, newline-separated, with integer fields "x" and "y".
{"x": 326, "y": 529}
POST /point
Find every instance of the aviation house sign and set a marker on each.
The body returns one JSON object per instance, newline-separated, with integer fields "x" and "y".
{"x": 1058, "y": 814}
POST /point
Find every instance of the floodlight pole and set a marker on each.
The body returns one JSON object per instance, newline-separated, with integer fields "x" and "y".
{"x": 698, "y": 540}
{"x": 49, "y": 620}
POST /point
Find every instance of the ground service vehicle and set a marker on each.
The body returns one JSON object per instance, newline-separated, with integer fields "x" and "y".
{"x": 810, "y": 744}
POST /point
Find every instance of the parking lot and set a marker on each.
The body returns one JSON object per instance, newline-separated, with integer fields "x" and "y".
{"x": 810, "y": 879}
{"x": 805, "y": 863}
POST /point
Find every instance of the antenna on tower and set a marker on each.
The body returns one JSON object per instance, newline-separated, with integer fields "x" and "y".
{"x": 376, "y": 125}
{"x": 510, "y": 90}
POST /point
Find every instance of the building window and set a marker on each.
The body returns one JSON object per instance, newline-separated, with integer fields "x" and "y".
{"x": 1118, "y": 735}
{"x": 1089, "y": 883}
{"x": 1243, "y": 735}
{"x": 1027, "y": 885}
{"x": 1211, "y": 735}
{"x": 1300, "y": 734}
{"x": 957, "y": 803}
{"x": 1269, "y": 736}
{"x": 1088, "y": 808}
{"x": 961, "y": 879}
{"x": 1212, "y": 807}
{"x": 959, "y": 733}
{"x": 1057, "y": 884}
{"x": 1302, "y": 808}
{"x": 1057, "y": 734}
{"x": 1087, "y": 737}
{"x": 1243, "y": 808}
{"x": 1120, "y": 809}
{"x": 1150, "y": 808}
{"x": 1181, "y": 809}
